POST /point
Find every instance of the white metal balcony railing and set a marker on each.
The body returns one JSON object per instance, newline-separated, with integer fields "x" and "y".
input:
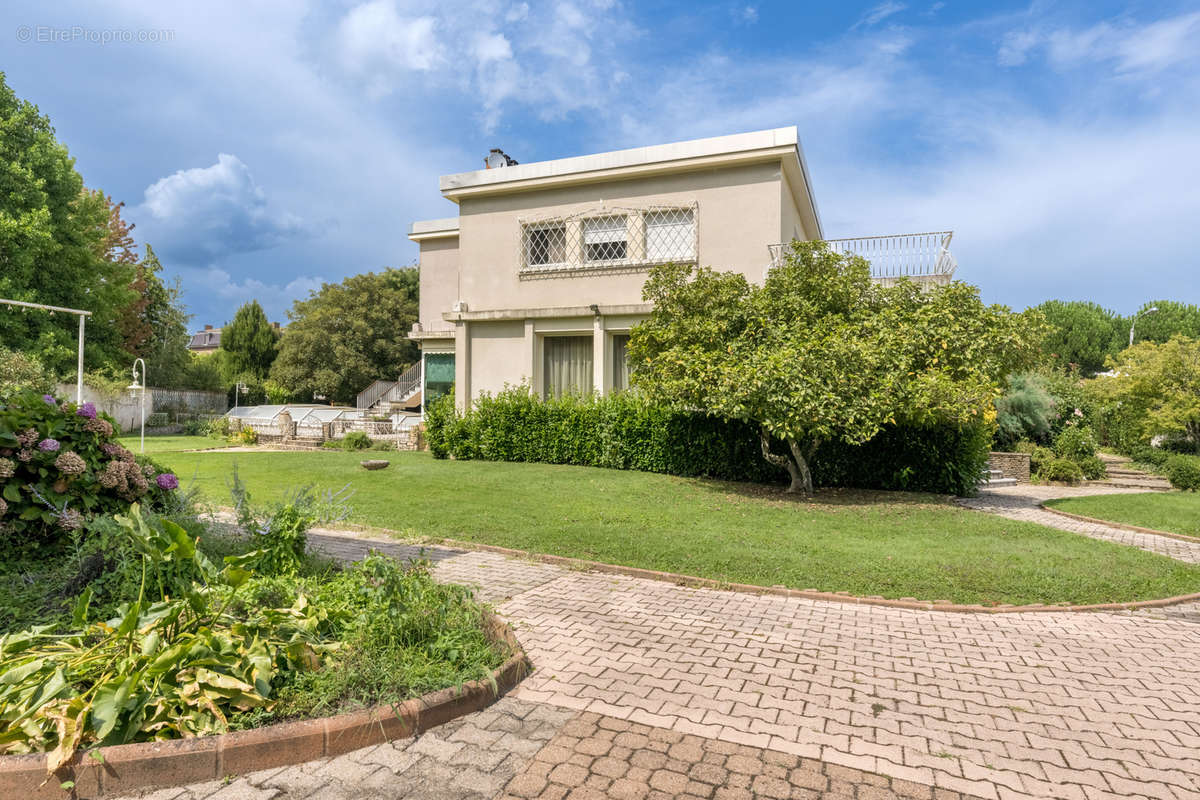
{"x": 370, "y": 395}
{"x": 910, "y": 255}
{"x": 407, "y": 384}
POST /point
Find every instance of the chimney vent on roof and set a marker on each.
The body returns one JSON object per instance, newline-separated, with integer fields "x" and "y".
{"x": 497, "y": 158}
{"x": 208, "y": 327}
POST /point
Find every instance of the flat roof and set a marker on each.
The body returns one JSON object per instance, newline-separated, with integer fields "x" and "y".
{"x": 433, "y": 228}
{"x": 633, "y": 157}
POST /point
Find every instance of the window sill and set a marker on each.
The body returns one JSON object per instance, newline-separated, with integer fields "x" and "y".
{"x": 598, "y": 267}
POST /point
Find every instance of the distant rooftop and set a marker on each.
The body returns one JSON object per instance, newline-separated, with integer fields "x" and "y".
{"x": 207, "y": 339}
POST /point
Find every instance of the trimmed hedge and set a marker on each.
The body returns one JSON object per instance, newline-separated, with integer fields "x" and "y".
{"x": 623, "y": 431}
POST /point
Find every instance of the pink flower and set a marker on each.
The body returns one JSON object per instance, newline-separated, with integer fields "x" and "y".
{"x": 87, "y": 410}
{"x": 48, "y": 445}
{"x": 167, "y": 481}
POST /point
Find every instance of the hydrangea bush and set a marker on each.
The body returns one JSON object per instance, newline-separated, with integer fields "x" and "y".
{"x": 59, "y": 465}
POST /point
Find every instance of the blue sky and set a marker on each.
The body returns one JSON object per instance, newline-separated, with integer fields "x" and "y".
{"x": 263, "y": 148}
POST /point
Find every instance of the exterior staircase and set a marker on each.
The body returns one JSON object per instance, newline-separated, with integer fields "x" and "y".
{"x": 1121, "y": 474}
{"x": 994, "y": 479}
{"x": 390, "y": 397}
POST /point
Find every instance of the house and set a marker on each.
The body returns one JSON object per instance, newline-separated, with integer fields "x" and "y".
{"x": 538, "y": 279}
{"x": 205, "y": 341}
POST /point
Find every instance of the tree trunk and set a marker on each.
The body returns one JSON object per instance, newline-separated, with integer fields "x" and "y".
{"x": 796, "y": 465}
{"x": 802, "y": 459}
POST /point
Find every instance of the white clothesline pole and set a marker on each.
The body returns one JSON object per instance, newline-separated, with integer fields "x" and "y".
{"x": 83, "y": 315}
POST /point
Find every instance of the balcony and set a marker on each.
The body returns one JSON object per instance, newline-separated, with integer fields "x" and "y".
{"x": 920, "y": 257}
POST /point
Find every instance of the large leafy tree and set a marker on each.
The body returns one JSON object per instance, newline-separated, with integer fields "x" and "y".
{"x": 1161, "y": 382}
{"x": 154, "y": 325}
{"x": 348, "y": 334}
{"x": 249, "y": 343}
{"x": 820, "y": 353}
{"x": 1082, "y": 334}
{"x": 54, "y": 244}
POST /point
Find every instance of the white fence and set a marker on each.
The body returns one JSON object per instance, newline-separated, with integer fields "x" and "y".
{"x": 191, "y": 401}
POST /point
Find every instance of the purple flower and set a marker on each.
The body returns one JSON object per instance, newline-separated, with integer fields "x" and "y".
{"x": 167, "y": 481}
{"x": 48, "y": 445}
{"x": 87, "y": 410}
{"x": 49, "y": 398}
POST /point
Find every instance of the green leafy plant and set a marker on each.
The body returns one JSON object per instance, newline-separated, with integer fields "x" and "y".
{"x": 1076, "y": 442}
{"x": 355, "y": 440}
{"x": 1026, "y": 410}
{"x": 247, "y": 436}
{"x": 1183, "y": 472}
{"x": 279, "y": 533}
{"x": 1061, "y": 469}
{"x": 1092, "y": 467}
{"x": 59, "y": 464}
{"x": 628, "y": 431}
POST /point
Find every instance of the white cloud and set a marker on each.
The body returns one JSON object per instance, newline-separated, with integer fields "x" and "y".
{"x": 491, "y": 47}
{"x": 747, "y": 15}
{"x": 1129, "y": 47}
{"x": 209, "y": 212}
{"x": 879, "y": 13}
{"x": 373, "y": 39}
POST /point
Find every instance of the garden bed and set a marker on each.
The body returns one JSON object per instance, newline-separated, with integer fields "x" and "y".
{"x": 127, "y": 768}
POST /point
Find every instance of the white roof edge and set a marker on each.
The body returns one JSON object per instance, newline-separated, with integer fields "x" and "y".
{"x": 617, "y": 159}
{"x": 433, "y": 226}
{"x": 812, "y": 199}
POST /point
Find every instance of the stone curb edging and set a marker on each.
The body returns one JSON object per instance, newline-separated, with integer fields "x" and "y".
{"x": 694, "y": 582}
{"x": 1183, "y": 537}
{"x": 147, "y": 765}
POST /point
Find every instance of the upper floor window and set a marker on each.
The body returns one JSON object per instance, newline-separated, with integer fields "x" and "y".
{"x": 605, "y": 239}
{"x": 671, "y": 235}
{"x": 609, "y": 238}
{"x": 546, "y": 244}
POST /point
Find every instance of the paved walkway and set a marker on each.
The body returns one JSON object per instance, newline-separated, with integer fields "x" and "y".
{"x": 644, "y": 689}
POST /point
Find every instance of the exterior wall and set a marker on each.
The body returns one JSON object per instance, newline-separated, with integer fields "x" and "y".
{"x": 498, "y": 356}
{"x": 439, "y": 281}
{"x": 1011, "y": 465}
{"x": 791, "y": 223}
{"x": 738, "y": 214}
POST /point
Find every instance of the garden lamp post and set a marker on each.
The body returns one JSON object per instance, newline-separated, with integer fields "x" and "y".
{"x": 1133, "y": 324}
{"x": 134, "y": 388}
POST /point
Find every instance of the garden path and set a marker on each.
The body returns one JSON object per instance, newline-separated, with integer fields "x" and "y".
{"x": 645, "y": 689}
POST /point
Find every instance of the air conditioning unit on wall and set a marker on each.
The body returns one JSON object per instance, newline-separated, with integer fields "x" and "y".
{"x": 459, "y": 306}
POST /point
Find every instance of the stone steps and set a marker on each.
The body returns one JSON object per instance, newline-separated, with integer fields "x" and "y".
{"x": 993, "y": 478}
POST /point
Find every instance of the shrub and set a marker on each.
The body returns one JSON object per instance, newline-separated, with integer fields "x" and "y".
{"x": 624, "y": 431}
{"x": 247, "y": 436}
{"x": 280, "y": 534}
{"x": 21, "y": 371}
{"x": 1061, "y": 469}
{"x": 1025, "y": 411}
{"x": 219, "y": 428}
{"x": 59, "y": 465}
{"x": 1147, "y": 454}
{"x": 383, "y": 444}
{"x": 196, "y": 427}
{"x": 1093, "y": 468}
{"x": 1183, "y": 472}
{"x": 355, "y": 440}
{"x": 1076, "y": 442}
{"x": 1040, "y": 457}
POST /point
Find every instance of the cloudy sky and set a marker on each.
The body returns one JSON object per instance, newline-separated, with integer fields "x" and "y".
{"x": 266, "y": 147}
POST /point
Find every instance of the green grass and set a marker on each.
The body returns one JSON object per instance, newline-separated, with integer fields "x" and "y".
{"x": 889, "y": 544}
{"x": 1174, "y": 512}
{"x": 170, "y": 444}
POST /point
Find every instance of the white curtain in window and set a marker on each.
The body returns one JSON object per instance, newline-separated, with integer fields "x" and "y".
{"x": 620, "y": 378}
{"x": 567, "y": 365}
{"x": 671, "y": 235}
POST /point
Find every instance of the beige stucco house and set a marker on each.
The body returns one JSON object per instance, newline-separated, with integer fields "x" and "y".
{"x": 538, "y": 279}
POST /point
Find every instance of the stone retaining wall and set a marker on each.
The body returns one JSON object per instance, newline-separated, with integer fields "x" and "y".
{"x": 1011, "y": 465}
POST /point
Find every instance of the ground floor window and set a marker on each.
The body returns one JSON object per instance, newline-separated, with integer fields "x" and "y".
{"x": 620, "y": 352}
{"x": 567, "y": 365}
{"x": 439, "y": 376}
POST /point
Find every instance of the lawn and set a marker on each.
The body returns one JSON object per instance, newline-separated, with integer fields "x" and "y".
{"x": 889, "y": 544}
{"x": 170, "y": 444}
{"x": 1175, "y": 512}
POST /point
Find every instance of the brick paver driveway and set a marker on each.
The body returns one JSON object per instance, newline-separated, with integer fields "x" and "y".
{"x": 644, "y": 689}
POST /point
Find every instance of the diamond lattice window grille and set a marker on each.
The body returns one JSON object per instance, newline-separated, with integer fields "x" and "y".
{"x": 609, "y": 238}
